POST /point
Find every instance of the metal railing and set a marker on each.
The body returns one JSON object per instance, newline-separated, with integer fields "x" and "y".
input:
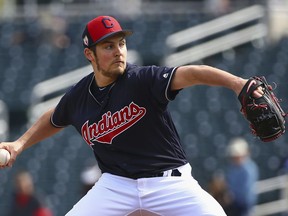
{"x": 221, "y": 43}
{"x": 277, "y": 206}
{"x": 4, "y": 121}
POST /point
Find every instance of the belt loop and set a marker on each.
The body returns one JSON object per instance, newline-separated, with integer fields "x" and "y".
{"x": 176, "y": 172}
{"x": 167, "y": 173}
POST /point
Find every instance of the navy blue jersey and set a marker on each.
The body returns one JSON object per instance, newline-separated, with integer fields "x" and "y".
{"x": 129, "y": 127}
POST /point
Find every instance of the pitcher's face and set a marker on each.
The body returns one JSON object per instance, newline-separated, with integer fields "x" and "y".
{"x": 111, "y": 56}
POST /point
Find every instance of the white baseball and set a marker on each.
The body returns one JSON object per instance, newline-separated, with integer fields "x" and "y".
{"x": 4, "y": 157}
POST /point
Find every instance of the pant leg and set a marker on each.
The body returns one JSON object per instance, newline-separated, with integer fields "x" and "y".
{"x": 179, "y": 196}
{"x": 110, "y": 196}
{"x": 167, "y": 196}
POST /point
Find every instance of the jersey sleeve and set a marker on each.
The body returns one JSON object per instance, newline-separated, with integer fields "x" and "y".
{"x": 60, "y": 117}
{"x": 158, "y": 79}
{"x": 67, "y": 107}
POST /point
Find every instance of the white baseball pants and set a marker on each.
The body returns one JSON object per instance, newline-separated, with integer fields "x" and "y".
{"x": 166, "y": 196}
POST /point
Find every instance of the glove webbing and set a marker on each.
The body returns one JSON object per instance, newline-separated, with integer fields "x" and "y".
{"x": 251, "y": 85}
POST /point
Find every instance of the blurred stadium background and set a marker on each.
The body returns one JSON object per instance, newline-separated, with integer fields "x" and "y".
{"x": 41, "y": 50}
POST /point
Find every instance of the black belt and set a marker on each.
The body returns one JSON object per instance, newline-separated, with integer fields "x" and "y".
{"x": 175, "y": 172}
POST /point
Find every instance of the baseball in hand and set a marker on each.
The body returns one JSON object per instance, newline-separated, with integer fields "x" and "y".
{"x": 4, "y": 157}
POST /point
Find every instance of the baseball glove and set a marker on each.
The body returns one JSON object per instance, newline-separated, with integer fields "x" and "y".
{"x": 265, "y": 115}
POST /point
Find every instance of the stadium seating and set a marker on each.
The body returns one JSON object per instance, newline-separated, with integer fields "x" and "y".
{"x": 206, "y": 117}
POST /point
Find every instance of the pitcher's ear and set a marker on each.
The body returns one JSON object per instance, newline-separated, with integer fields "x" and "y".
{"x": 88, "y": 54}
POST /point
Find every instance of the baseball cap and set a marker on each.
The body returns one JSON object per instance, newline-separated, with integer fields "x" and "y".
{"x": 238, "y": 147}
{"x": 101, "y": 28}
